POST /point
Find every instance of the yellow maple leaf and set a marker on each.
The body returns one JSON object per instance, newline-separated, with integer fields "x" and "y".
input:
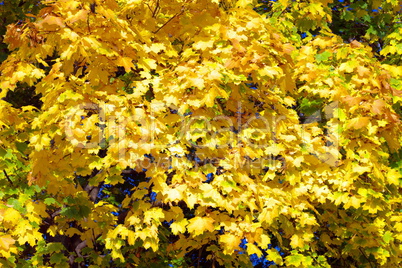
{"x": 210, "y": 98}
{"x": 393, "y": 176}
{"x": 6, "y": 241}
{"x": 51, "y": 22}
{"x": 197, "y": 82}
{"x": 353, "y": 201}
{"x": 273, "y": 255}
{"x": 72, "y": 231}
{"x": 80, "y": 15}
{"x": 307, "y": 219}
{"x": 230, "y": 241}
{"x": 174, "y": 195}
{"x": 264, "y": 241}
{"x": 154, "y": 214}
{"x": 7, "y": 246}
{"x": 157, "y": 47}
{"x": 131, "y": 237}
{"x": 52, "y": 230}
{"x": 179, "y": 226}
{"x": 203, "y": 45}
{"x": 11, "y": 215}
{"x": 296, "y": 241}
{"x": 147, "y": 64}
{"x": 177, "y": 150}
{"x": 358, "y": 122}
{"x": 198, "y": 225}
{"x": 126, "y": 62}
{"x": 253, "y": 249}
{"x": 40, "y": 141}
{"x": 284, "y": 2}
{"x": 348, "y": 66}
{"x": 269, "y": 71}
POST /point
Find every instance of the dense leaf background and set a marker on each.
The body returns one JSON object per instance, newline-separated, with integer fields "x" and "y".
{"x": 201, "y": 133}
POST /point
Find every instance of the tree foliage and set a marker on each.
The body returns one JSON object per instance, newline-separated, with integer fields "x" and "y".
{"x": 200, "y": 133}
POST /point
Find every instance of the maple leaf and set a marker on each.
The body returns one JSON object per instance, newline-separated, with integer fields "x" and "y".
{"x": 154, "y": 214}
{"x": 198, "y": 225}
{"x": 125, "y": 62}
{"x": 231, "y": 242}
{"x": 6, "y": 241}
{"x": 51, "y": 22}
{"x": 378, "y": 106}
{"x": 253, "y": 249}
{"x": 79, "y": 15}
{"x": 358, "y": 122}
{"x": 394, "y": 177}
{"x": 179, "y": 226}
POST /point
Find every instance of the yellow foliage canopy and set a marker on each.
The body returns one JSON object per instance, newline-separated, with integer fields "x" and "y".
{"x": 169, "y": 128}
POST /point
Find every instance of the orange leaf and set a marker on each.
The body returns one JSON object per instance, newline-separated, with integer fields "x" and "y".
{"x": 51, "y": 21}
{"x": 352, "y": 101}
{"x": 6, "y": 241}
{"x": 378, "y": 106}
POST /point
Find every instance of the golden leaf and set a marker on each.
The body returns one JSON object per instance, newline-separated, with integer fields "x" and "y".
{"x": 50, "y": 22}
{"x": 297, "y": 241}
{"x": 358, "y": 122}
{"x": 378, "y": 106}
{"x": 230, "y": 241}
{"x": 394, "y": 177}
{"x": 6, "y": 241}
{"x": 125, "y": 62}
{"x": 253, "y": 249}
{"x": 199, "y": 225}
{"x": 179, "y": 226}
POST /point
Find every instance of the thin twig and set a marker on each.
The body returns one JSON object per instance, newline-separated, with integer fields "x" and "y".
{"x": 150, "y": 9}
{"x": 89, "y": 28}
{"x": 178, "y": 14}
{"x": 199, "y": 256}
{"x": 8, "y": 178}
{"x": 157, "y": 7}
{"x": 364, "y": 254}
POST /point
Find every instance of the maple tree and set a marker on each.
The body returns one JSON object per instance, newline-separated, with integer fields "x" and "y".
{"x": 200, "y": 133}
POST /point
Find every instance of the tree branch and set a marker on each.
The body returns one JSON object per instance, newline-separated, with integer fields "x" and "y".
{"x": 8, "y": 178}
{"x": 178, "y": 14}
{"x": 365, "y": 256}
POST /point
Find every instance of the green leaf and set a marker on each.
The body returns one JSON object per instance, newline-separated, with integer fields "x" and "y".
{"x": 54, "y": 247}
{"x": 295, "y": 259}
{"x": 347, "y": 15}
{"x": 69, "y": 212}
{"x": 9, "y": 154}
{"x": 2, "y": 152}
{"x": 308, "y": 107}
{"x": 49, "y": 201}
{"x": 387, "y": 237}
{"x": 115, "y": 179}
{"x": 57, "y": 258}
{"x": 21, "y": 147}
{"x": 15, "y": 203}
{"x": 323, "y": 56}
{"x": 84, "y": 211}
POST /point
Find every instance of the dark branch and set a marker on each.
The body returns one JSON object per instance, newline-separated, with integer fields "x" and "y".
{"x": 8, "y": 178}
